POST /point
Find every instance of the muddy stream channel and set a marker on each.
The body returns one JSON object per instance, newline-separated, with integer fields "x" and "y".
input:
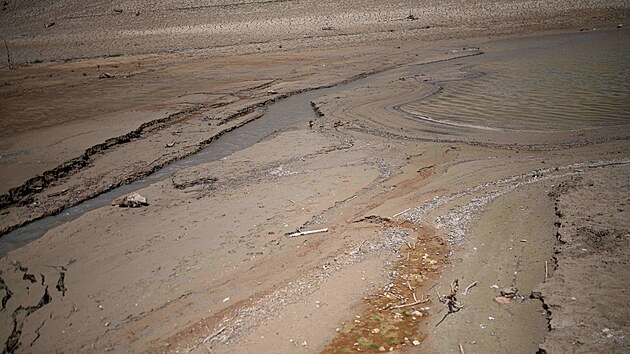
{"x": 543, "y": 82}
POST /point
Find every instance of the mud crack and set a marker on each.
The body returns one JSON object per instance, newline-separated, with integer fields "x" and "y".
{"x": 7, "y": 293}
{"x": 19, "y": 316}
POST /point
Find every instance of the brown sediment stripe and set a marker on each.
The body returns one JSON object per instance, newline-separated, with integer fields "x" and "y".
{"x": 395, "y": 319}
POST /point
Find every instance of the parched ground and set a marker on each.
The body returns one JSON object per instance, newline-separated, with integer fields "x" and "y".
{"x": 58, "y": 30}
{"x": 591, "y": 263}
{"x": 124, "y": 88}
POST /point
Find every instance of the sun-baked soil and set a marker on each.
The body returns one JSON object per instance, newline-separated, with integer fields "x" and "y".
{"x": 408, "y": 205}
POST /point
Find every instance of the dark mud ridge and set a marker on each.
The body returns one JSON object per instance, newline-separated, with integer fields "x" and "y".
{"x": 586, "y": 296}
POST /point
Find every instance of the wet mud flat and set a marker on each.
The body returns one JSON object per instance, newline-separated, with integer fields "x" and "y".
{"x": 410, "y": 205}
{"x": 564, "y": 82}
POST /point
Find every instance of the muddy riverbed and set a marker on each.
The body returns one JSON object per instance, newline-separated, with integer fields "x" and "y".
{"x": 499, "y": 163}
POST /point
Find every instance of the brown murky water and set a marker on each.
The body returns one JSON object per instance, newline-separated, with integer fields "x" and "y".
{"x": 539, "y": 83}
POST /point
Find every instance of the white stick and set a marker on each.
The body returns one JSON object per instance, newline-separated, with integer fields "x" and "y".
{"x": 302, "y": 233}
{"x": 402, "y": 212}
{"x": 469, "y": 286}
{"x": 412, "y": 304}
{"x": 546, "y": 271}
{"x": 211, "y": 337}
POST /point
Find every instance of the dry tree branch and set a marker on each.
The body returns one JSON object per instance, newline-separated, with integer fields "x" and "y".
{"x": 451, "y": 300}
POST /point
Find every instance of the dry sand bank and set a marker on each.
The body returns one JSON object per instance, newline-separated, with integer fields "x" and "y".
{"x": 410, "y": 205}
{"x": 132, "y": 27}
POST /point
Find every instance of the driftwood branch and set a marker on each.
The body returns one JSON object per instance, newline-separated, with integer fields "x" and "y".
{"x": 303, "y": 233}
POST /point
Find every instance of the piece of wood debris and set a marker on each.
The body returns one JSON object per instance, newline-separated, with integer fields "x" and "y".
{"x": 106, "y": 76}
{"x": 213, "y": 335}
{"x": 304, "y": 233}
{"x": 402, "y": 212}
{"x": 450, "y": 300}
{"x": 461, "y": 349}
{"x": 469, "y": 287}
{"x": 421, "y": 301}
{"x": 546, "y": 271}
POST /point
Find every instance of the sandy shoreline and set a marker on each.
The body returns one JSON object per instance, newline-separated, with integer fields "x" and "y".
{"x": 409, "y": 205}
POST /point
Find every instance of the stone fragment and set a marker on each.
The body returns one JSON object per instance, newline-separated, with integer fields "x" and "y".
{"x": 133, "y": 200}
{"x": 502, "y": 300}
{"x": 509, "y": 291}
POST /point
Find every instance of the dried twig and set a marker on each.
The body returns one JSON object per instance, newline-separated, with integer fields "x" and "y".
{"x": 211, "y": 337}
{"x": 469, "y": 286}
{"x": 402, "y": 212}
{"x": 461, "y": 349}
{"x": 451, "y": 300}
{"x": 421, "y": 301}
{"x": 432, "y": 286}
{"x": 303, "y": 233}
{"x": 454, "y": 287}
{"x": 546, "y": 271}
